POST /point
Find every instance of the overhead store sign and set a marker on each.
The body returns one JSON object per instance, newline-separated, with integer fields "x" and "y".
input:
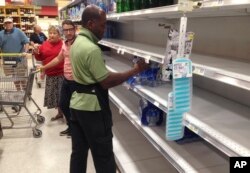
{"x": 22, "y": 1}
{"x": 2, "y": 2}
{"x": 44, "y": 2}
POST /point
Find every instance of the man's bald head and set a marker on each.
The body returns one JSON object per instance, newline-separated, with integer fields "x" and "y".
{"x": 94, "y": 19}
{"x": 91, "y": 12}
{"x": 37, "y": 29}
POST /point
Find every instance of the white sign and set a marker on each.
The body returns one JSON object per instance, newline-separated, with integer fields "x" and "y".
{"x": 2, "y": 2}
{"x": 22, "y": 1}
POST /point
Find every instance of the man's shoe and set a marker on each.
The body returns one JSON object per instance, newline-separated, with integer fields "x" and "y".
{"x": 65, "y": 132}
{"x": 56, "y": 117}
{"x": 69, "y": 135}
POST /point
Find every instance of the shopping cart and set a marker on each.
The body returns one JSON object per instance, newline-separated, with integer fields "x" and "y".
{"x": 16, "y": 88}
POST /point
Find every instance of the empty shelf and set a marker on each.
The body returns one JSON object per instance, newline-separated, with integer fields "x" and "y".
{"x": 132, "y": 150}
{"x": 222, "y": 122}
{"x": 184, "y": 157}
{"x": 234, "y": 73}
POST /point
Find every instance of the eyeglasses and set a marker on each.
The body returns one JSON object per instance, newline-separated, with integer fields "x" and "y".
{"x": 69, "y": 30}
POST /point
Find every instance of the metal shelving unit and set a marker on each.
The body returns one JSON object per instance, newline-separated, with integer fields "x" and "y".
{"x": 132, "y": 150}
{"x": 231, "y": 72}
{"x": 222, "y": 122}
{"x": 185, "y": 157}
{"x": 148, "y": 52}
{"x": 207, "y": 114}
{"x": 207, "y": 9}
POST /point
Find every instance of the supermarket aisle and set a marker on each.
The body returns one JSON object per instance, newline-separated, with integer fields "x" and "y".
{"x": 21, "y": 152}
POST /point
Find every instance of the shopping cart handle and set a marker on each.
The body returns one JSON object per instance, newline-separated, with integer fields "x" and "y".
{"x": 16, "y": 55}
{"x": 11, "y": 54}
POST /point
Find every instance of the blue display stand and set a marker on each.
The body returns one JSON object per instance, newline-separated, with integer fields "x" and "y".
{"x": 180, "y": 99}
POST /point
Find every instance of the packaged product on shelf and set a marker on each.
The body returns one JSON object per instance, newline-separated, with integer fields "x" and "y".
{"x": 112, "y": 7}
{"x": 150, "y": 77}
{"x": 136, "y": 4}
{"x": 104, "y": 5}
{"x": 166, "y": 2}
{"x": 150, "y": 114}
{"x": 129, "y": 5}
{"x": 110, "y": 30}
{"x": 145, "y": 4}
{"x": 153, "y": 75}
{"x": 154, "y": 3}
{"x": 172, "y": 51}
{"x": 118, "y": 6}
{"x": 78, "y": 12}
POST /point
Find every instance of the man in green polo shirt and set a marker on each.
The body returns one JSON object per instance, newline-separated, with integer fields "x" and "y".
{"x": 91, "y": 115}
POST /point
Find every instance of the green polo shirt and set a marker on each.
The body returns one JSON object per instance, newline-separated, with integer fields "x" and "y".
{"x": 88, "y": 68}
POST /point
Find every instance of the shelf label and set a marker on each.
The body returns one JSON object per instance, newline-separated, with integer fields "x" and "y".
{"x": 147, "y": 58}
{"x": 122, "y": 51}
{"x": 182, "y": 70}
{"x": 135, "y": 89}
{"x": 118, "y": 50}
{"x": 135, "y": 54}
{"x": 120, "y": 111}
{"x": 199, "y": 71}
{"x": 157, "y": 104}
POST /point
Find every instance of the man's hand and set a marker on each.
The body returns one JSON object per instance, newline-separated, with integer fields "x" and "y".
{"x": 141, "y": 65}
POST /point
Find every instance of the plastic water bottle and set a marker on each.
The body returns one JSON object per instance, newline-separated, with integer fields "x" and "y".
{"x": 136, "y": 4}
{"x": 152, "y": 117}
{"x": 118, "y": 6}
{"x": 82, "y": 9}
{"x": 102, "y": 5}
{"x": 145, "y": 4}
{"x": 150, "y": 114}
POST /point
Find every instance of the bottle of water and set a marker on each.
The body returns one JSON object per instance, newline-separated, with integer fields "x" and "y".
{"x": 102, "y": 5}
{"x": 150, "y": 114}
{"x": 145, "y": 4}
{"x": 136, "y": 4}
{"x": 118, "y": 6}
{"x": 123, "y": 3}
{"x": 82, "y": 7}
{"x": 153, "y": 74}
{"x": 152, "y": 117}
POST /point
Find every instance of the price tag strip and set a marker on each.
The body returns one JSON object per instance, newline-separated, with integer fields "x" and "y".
{"x": 199, "y": 71}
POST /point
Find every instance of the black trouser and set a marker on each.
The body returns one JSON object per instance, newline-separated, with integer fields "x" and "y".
{"x": 90, "y": 130}
{"x": 64, "y": 102}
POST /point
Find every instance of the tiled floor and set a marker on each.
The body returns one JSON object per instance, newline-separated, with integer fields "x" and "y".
{"x": 21, "y": 152}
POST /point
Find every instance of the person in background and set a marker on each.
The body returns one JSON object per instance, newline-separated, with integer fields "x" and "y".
{"x": 13, "y": 40}
{"x": 69, "y": 31}
{"x": 54, "y": 76}
{"x": 91, "y": 119}
{"x": 38, "y": 37}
